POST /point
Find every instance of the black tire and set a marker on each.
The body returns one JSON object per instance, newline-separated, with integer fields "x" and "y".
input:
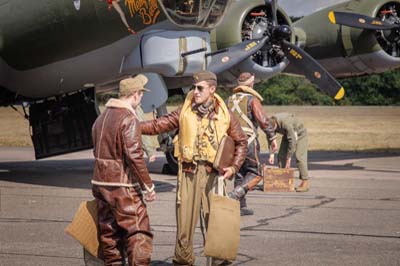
{"x": 172, "y": 161}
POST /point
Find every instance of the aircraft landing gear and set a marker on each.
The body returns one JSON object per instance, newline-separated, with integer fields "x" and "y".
{"x": 166, "y": 145}
{"x": 172, "y": 166}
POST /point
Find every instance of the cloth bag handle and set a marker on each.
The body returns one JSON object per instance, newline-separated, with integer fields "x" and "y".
{"x": 221, "y": 186}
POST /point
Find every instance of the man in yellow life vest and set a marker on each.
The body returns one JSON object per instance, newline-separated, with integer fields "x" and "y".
{"x": 245, "y": 103}
{"x": 202, "y": 122}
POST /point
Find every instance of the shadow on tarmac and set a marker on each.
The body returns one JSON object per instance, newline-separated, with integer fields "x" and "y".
{"x": 316, "y": 160}
{"x": 160, "y": 263}
{"x": 76, "y": 173}
{"x": 60, "y": 173}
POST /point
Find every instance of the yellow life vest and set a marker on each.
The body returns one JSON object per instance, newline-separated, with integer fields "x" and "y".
{"x": 198, "y": 139}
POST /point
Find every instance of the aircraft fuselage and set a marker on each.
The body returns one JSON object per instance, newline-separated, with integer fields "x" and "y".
{"x": 40, "y": 32}
{"x": 53, "y": 47}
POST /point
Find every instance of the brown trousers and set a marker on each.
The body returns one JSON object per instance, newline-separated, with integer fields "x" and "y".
{"x": 195, "y": 190}
{"x": 123, "y": 221}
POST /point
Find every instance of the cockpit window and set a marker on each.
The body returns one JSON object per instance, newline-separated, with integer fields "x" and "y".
{"x": 205, "y": 14}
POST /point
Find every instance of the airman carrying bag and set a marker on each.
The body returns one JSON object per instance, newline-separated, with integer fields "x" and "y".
{"x": 223, "y": 232}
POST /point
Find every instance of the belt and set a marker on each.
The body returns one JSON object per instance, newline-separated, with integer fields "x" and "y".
{"x": 114, "y": 184}
{"x": 192, "y": 167}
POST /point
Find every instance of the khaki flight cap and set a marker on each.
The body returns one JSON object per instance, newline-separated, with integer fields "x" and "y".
{"x": 203, "y": 75}
{"x": 130, "y": 85}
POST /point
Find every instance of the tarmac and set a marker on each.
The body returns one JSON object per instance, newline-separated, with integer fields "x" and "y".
{"x": 351, "y": 215}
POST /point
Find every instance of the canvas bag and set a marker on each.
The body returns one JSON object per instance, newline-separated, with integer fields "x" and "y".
{"x": 84, "y": 227}
{"x": 223, "y": 232}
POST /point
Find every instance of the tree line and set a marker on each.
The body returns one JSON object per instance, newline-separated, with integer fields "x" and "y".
{"x": 378, "y": 89}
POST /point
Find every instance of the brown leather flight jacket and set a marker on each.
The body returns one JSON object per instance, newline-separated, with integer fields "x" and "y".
{"x": 118, "y": 148}
{"x": 261, "y": 118}
{"x": 171, "y": 121}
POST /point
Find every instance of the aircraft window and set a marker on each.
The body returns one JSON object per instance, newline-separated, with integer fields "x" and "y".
{"x": 205, "y": 14}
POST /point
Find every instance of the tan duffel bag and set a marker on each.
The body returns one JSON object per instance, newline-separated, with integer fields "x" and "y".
{"x": 223, "y": 233}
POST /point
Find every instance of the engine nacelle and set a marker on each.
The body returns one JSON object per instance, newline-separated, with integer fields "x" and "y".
{"x": 243, "y": 23}
{"x": 346, "y": 51}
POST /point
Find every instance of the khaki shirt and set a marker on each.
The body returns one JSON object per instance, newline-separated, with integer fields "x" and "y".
{"x": 291, "y": 127}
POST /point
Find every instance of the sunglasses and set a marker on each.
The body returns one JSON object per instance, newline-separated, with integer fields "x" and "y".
{"x": 198, "y": 87}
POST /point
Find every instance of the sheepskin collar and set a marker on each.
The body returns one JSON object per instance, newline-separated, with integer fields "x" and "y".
{"x": 117, "y": 103}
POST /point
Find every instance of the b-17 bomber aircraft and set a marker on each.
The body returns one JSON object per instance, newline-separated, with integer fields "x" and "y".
{"x": 55, "y": 55}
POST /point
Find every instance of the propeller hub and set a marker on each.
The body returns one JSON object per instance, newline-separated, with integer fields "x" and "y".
{"x": 282, "y": 32}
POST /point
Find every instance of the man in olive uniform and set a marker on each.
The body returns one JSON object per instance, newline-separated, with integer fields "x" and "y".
{"x": 246, "y": 105}
{"x": 294, "y": 142}
{"x": 202, "y": 122}
{"x": 147, "y": 144}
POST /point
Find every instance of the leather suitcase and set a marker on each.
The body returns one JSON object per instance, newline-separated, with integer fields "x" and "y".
{"x": 225, "y": 153}
{"x": 278, "y": 179}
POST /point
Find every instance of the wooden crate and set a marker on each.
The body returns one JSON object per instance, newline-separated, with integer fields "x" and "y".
{"x": 278, "y": 179}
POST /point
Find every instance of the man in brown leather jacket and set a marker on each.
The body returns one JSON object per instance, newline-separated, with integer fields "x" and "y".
{"x": 120, "y": 175}
{"x": 202, "y": 122}
{"x": 246, "y": 105}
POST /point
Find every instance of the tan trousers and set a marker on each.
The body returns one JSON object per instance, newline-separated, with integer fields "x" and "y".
{"x": 194, "y": 190}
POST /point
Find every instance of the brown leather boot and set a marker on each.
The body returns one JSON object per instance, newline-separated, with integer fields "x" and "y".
{"x": 304, "y": 186}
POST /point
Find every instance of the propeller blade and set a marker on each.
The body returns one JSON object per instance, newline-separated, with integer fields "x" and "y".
{"x": 274, "y": 8}
{"x": 226, "y": 58}
{"x": 359, "y": 21}
{"x": 313, "y": 70}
